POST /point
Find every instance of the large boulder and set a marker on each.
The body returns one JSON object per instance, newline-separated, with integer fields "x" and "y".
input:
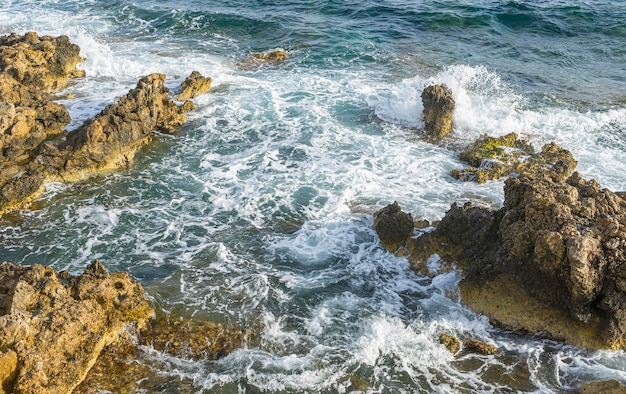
{"x": 438, "y": 111}
{"x": 551, "y": 260}
{"x": 54, "y": 325}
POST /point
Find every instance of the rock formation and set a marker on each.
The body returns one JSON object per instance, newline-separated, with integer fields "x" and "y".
{"x": 44, "y": 62}
{"x": 194, "y": 85}
{"x": 551, "y": 260}
{"x": 438, "y": 111}
{"x": 120, "y": 368}
{"x": 53, "y": 325}
{"x": 30, "y": 121}
{"x": 494, "y": 157}
{"x": 393, "y": 226}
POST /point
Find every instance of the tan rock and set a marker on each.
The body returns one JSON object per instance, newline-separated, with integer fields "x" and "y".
{"x": 8, "y": 371}
{"x": 606, "y": 387}
{"x": 111, "y": 139}
{"x": 44, "y": 62}
{"x": 57, "y": 324}
{"x": 438, "y": 111}
{"x": 194, "y": 85}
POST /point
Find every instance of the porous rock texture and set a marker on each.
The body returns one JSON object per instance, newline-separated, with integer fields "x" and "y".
{"x": 552, "y": 260}
{"x": 54, "y": 325}
{"x": 495, "y": 157}
{"x": 31, "y": 123}
{"x": 438, "y": 111}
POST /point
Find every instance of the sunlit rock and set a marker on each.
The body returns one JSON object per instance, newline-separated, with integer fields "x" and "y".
{"x": 438, "y": 111}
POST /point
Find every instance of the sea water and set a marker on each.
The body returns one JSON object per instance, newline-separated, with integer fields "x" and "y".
{"x": 258, "y": 211}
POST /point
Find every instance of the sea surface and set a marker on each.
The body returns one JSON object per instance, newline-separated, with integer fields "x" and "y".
{"x": 258, "y": 211}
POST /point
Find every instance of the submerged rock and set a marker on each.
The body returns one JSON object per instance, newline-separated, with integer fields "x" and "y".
{"x": 259, "y": 59}
{"x": 273, "y": 56}
{"x": 54, "y": 325}
{"x": 606, "y": 387}
{"x": 551, "y": 260}
{"x": 494, "y": 157}
{"x": 438, "y": 111}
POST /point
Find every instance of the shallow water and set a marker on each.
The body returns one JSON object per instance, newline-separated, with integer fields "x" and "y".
{"x": 258, "y": 212}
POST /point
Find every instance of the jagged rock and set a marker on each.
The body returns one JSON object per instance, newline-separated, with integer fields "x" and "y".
{"x": 393, "y": 226}
{"x": 111, "y": 139}
{"x": 57, "y": 324}
{"x": 473, "y": 345}
{"x": 44, "y": 62}
{"x": 30, "y": 121}
{"x": 194, "y": 85}
{"x": 552, "y": 260}
{"x": 494, "y": 157}
{"x": 273, "y": 56}
{"x": 451, "y": 342}
{"x": 121, "y": 368}
{"x": 258, "y": 59}
{"x": 438, "y": 111}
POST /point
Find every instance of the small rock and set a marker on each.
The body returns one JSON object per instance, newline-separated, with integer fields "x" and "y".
{"x": 194, "y": 86}
{"x": 471, "y": 345}
{"x": 393, "y": 226}
{"x": 438, "y": 111}
{"x": 451, "y": 342}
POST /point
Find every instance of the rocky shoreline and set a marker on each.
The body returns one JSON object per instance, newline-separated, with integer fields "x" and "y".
{"x": 59, "y": 331}
{"x": 550, "y": 261}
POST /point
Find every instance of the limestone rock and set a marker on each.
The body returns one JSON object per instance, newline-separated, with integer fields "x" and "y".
{"x": 111, "y": 139}
{"x": 121, "y": 367}
{"x": 494, "y": 157}
{"x": 259, "y": 59}
{"x": 194, "y": 85}
{"x": 438, "y": 111}
{"x": 451, "y": 342}
{"x": 606, "y": 387}
{"x": 273, "y": 56}
{"x": 552, "y": 260}
{"x": 57, "y": 324}
{"x": 8, "y": 370}
{"x": 393, "y": 226}
{"x": 44, "y": 62}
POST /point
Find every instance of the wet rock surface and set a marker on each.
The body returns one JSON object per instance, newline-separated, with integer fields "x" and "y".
{"x": 438, "y": 111}
{"x": 124, "y": 366}
{"x": 551, "y": 260}
{"x": 194, "y": 85}
{"x": 393, "y": 226}
{"x": 494, "y": 157}
{"x": 31, "y": 122}
{"x": 54, "y": 325}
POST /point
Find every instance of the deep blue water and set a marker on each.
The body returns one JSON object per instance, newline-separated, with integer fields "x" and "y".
{"x": 258, "y": 212}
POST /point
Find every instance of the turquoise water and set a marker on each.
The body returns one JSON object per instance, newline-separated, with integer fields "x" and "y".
{"x": 258, "y": 212}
